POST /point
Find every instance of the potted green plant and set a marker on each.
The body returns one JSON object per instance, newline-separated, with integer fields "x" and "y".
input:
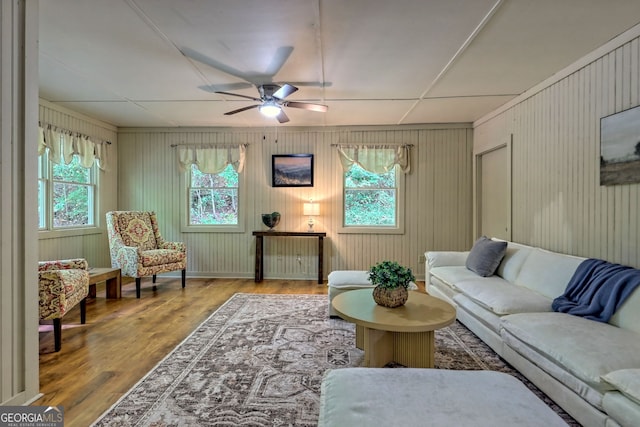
{"x": 391, "y": 281}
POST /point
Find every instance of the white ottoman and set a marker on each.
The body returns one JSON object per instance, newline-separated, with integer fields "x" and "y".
{"x": 435, "y": 397}
{"x": 346, "y": 280}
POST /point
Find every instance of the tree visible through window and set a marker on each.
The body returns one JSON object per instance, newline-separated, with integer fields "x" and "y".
{"x": 213, "y": 197}
{"x": 66, "y": 194}
{"x": 370, "y": 199}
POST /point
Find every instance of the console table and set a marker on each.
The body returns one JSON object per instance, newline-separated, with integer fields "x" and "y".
{"x": 260, "y": 251}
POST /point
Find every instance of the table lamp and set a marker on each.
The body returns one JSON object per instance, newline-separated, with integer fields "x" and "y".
{"x": 311, "y": 209}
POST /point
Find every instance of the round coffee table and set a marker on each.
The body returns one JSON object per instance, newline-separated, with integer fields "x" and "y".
{"x": 403, "y": 334}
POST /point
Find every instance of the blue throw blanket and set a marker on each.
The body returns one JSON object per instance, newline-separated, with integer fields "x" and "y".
{"x": 597, "y": 289}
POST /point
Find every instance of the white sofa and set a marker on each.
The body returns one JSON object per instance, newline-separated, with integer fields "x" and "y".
{"x": 591, "y": 369}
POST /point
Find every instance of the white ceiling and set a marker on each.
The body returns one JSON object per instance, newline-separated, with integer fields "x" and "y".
{"x": 372, "y": 62}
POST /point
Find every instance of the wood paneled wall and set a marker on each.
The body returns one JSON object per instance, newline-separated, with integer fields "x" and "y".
{"x": 19, "y": 369}
{"x": 558, "y": 202}
{"x": 92, "y": 246}
{"x": 438, "y": 197}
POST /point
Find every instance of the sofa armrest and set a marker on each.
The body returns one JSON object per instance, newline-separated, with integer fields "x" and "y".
{"x": 60, "y": 290}
{"x": 446, "y": 258}
{"x": 63, "y": 264}
{"x": 127, "y": 259}
{"x": 176, "y": 246}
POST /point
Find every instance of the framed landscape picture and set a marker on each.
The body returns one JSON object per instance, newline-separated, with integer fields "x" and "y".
{"x": 620, "y": 148}
{"x": 292, "y": 170}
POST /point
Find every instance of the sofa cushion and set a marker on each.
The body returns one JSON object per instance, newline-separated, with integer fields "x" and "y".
{"x": 155, "y": 257}
{"x": 514, "y": 258}
{"x": 349, "y": 279}
{"x": 628, "y": 315}
{"x": 485, "y": 256}
{"x": 623, "y": 410}
{"x": 481, "y": 314}
{"x": 453, "y": 275}
{"x": 446, "y": 258}
{"x": 502, "y": 297}
{"x": 626, "y": 381}
{"x": 585, "y": 348}
{"x": 547, "y": 272}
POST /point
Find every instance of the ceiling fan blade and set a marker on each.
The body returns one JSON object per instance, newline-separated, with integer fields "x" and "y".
{"x": 241, "y": 96}
{"x": 239, "y": 110}
{"x": 281, "y": 56}
{"x": 307, "y": 106}
{"x": 284, "y": 91}
{"x": 308, "y": 84}
{"x": 282, "y": 117}
{"x": 225, "y": 87}
{"x": 204, "y": 59}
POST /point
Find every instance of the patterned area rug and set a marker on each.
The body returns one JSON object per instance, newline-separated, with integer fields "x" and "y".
{"x": 259, "y": 361}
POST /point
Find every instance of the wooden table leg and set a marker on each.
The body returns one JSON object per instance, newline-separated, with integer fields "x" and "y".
{"x": 114, "y": 287}
{"x": 320, "y": 256}
{"x": 259, "y": 267}
{"x": 414, "y": 349}
{"x": 378, "y": 348}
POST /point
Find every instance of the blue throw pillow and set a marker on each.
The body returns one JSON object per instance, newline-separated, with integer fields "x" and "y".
{"x": 485, "y": 256}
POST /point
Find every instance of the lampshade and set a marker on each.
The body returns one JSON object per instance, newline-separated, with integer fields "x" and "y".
{"x": 270, "y": 109}
{"x": 311, "y": 209}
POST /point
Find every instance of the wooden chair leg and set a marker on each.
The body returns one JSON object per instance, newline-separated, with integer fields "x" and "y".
{"x": 57, "y": 334}
{"x": 138, "y": 287}
{"x": 83, "y": 311}
{"x": 184, "y": 277}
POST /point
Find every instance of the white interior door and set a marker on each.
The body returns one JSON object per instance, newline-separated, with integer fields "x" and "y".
{"x": 494, "y": 192}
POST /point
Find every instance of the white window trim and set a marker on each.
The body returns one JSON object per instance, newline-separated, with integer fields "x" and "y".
{"x": 49, "y": 232}
{"x": 379, "y": 229}
{"x": 211, "y": 228}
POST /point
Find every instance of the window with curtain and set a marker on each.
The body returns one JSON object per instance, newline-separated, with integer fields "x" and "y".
{"x": 67, "y": 181}
{"x": 373, "y": 188}
{"x": 213, "y": 184}
{"x": 370, "y": 199}
{"x": 213, "y": 197}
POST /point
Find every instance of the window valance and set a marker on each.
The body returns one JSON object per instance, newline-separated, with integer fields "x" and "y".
{"x": 375, "y": 158}
{"x": 212, "y": 159}
{"x": 63, "y": 145}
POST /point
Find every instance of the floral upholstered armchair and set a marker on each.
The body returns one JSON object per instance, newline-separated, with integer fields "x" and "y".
{"x": 62, "y": 285}
{"x": 138, "y": 249}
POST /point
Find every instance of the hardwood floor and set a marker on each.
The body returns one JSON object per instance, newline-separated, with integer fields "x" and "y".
{"x": 123, "y": 339}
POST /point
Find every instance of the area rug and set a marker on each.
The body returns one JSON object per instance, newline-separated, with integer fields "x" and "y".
{"x": 259, "y": 361}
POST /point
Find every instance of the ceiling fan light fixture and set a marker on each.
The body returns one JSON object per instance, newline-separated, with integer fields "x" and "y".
{"x": 270, "y": 109}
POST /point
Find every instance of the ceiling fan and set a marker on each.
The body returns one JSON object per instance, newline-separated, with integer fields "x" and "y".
{"x": 272, "y": 95}
{"x": 272, "y": 99}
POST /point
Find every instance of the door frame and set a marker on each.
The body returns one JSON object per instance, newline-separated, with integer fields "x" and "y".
{"x": 477, "y": 185}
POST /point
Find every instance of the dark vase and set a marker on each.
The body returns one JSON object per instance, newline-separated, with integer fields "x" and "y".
{"x": 271, "y": 220}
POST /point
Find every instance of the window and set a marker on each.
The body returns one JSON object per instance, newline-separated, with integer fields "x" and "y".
{"x": 211, "y": 187}
{"x": 213, "y": 197}
{"x": 66, "y": 194}
{"x": 373, "y": 188}
{"x": 370, "y": 199}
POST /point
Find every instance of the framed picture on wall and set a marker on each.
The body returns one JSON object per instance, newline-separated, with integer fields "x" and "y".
{"x": 292, "y": 170}
{"x": 620, "y": 147}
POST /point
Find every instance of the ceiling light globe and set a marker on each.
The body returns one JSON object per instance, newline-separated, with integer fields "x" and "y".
{"x": 270, "y": 110}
